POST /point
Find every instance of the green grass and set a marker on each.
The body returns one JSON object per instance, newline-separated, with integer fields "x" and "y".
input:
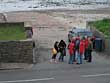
{"x": 12, "y": 32}
{"x": 103, "y": 26}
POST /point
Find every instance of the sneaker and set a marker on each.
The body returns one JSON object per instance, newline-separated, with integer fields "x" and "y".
{"x": 51, "y": 61}
{"x": 55, "y": 61}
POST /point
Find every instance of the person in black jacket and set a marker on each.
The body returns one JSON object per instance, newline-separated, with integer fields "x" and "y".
{"x": 62, "y": 50}
{"x": 89, "y": 49}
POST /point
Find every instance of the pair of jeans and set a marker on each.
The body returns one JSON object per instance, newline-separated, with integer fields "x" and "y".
{"x": 83, "y": 57}
{"x": 62, "y": 54}
{"x": 71, "y": 59}
{"x": 78, "y": 57}
{"x": 61, "y": 58}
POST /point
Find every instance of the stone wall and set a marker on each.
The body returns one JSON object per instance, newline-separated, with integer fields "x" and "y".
{"x": 106, "y": 40}
{"x": 98, "y": 34}
{"x": 16, "y": 51}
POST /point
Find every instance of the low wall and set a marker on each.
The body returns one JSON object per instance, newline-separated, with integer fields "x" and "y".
{"x": 16, "y": 51}
{"x": 97, "y": 33}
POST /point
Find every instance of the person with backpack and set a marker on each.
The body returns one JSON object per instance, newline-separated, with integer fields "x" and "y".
{"x": 89, "y": 50}
{"x": 62, "y": 50}
{"x": 71, "y": 49}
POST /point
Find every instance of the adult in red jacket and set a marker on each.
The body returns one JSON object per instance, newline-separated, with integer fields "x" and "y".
{"x": 71, "y": 48}
{"x": 81, "y": 50}
{"x": 82, "y": 47}
{"x": 86, "y": 47}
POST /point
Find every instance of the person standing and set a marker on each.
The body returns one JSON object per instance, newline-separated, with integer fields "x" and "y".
{"x": 84, "y": 43}
{"x": 77, "y": 55}
{"x": 74, "y": 57}
{"x": 81, "y": 50}
{"x": 55, "y": 51}
{"x": 89, "y": 49}
{"x": 93, "y": 41}
{"x": 62, "y": 50}
{"x": 71, "y": 48}
{"x": 86, "y": 47}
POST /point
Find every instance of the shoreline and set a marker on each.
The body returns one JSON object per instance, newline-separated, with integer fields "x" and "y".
{"x": 75, "y": 11}
{"x": 31, "y": 7}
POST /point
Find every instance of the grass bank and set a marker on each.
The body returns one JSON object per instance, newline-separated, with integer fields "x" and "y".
{"x": 12, "y": 31}
{"x": 103, "y": 26}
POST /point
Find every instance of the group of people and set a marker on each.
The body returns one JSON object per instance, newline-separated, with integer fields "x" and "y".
{"x": 80, "y": 48}
{"x": 59, "y": 47}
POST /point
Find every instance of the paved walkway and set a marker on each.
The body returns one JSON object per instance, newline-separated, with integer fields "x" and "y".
{"x": 96, "y": 72}
{"x": 97, "y": 60}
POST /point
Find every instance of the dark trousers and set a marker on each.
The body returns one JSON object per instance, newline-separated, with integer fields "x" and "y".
{"x": 85, "y": 54}
{"x": 74, "y": 57}
{"x": 61, "y": 58}
{"x": 89, "y": 58}
{"x": 62, "y": 54}
{"x": 54, "y": 56}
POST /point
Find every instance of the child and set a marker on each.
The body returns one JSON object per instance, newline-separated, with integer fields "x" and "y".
{"x": 55, "y": 50}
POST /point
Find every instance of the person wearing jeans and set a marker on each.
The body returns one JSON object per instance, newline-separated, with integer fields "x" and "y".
{"x": 81, "y": 50}
{"x": 71, "y": 48}
{"x": 62, "y": 50}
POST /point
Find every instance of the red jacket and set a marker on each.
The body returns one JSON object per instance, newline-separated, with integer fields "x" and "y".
{"x": 82, "y": 47}
{"x": 78, "y": 38}
{"x": 86, "y": 43}
{"x": 71, "y": 48}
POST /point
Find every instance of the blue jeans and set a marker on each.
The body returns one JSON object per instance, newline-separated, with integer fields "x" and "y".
{"x": 78, "y": 57}
{"x": 62, "y": 54}
{"x": 61, "y": 58}
{"x": 71, "y": 59}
